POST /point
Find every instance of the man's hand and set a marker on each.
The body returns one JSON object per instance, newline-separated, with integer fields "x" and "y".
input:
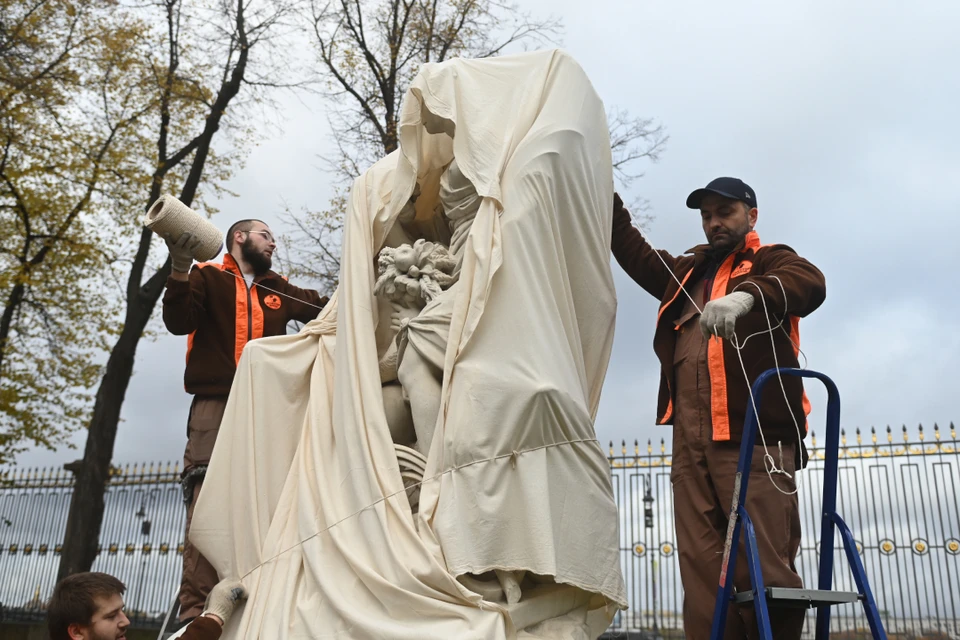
{"x": 223, "y": 600}
{"x": 181, "y": 252}
{"x": 720, "y": 316}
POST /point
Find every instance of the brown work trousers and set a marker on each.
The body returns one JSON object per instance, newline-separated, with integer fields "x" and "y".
{"x": 199, "y": 576}
{"x": 703, "y": 478}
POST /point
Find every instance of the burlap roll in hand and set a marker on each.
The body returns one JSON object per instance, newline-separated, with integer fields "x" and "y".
{"x": 169, "y": 218}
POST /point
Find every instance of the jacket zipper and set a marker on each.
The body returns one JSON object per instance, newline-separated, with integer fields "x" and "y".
{"x": 250, "y": 313}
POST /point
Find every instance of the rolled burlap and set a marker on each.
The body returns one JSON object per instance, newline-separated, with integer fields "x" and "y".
{"x": 170, "y": 218}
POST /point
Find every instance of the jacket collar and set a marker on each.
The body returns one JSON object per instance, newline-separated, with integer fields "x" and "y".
{"x": 751, "y": 242}
{"x": 230, "y": 264}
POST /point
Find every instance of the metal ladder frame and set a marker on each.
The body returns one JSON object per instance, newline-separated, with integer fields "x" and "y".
{"x": 740, "y": 519}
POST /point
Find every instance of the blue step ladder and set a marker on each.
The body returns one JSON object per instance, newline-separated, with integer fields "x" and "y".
{"x": 823, "y": 597}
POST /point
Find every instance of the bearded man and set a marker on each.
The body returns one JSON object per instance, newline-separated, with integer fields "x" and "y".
{"x": 733, "y": 287}
{"x": 221, "y": 307}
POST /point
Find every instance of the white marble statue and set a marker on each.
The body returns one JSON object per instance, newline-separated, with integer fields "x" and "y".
{"x": 419, "y": 280}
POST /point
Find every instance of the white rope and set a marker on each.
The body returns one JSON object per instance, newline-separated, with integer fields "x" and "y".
{"x": 769, "y": 464}
{"x": 279, "y": 293}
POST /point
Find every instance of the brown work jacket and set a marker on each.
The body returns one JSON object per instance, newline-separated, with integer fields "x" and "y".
{"x": 220, "y": 315}
{"x": 752, "y": 268}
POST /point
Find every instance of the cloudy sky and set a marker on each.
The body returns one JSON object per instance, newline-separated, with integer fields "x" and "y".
{"x": 841, "y": 115}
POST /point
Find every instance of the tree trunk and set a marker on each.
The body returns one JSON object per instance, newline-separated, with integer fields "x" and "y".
{"x": 6, "y": 321}
{"x": 86, "y": 505}
{"x": 80, "y": 543}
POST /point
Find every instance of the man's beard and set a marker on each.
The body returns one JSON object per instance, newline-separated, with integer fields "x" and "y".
{"x": 260, "y": 262}
{"x": 729, "y": 242}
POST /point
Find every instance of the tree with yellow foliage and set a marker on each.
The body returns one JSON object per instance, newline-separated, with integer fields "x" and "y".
{"x": 72, "y": 155}
{"x": 208, "y": 60}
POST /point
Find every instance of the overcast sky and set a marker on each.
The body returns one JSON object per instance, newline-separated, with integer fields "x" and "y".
{"x": 841, "y": 115}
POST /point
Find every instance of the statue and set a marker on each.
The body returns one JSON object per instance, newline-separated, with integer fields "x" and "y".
{"x": 420, "y": 282}
{"x": 427, "y": 466}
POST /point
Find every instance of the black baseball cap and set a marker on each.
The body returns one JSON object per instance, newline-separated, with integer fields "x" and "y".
{"x": 733, "y": 188}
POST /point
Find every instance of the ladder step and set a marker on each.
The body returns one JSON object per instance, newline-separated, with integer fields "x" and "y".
{"x": 800, "y": 598}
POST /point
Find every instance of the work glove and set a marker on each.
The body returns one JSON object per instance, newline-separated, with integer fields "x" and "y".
{"x": 223, "y": 599}
{"x": 720, "y": 316}
{"x": 181, "y": 251}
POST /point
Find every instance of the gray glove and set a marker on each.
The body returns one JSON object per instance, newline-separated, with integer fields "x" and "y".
{"x": 181, "y": 252}
{"x": 721, "y": 315}
{"x": 223, "y": 599}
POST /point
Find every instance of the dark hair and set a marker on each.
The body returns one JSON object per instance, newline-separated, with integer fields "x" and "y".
{"x": 74, "y": 600}
{"x": 240, "y": 225}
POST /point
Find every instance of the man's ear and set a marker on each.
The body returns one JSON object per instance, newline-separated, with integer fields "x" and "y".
{"x": 752, "y": 217}
{"x": 74, "y": 631}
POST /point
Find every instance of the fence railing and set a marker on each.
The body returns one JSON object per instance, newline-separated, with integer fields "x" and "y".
{"x": 141, "y": 540}
{"x": 900, "y": 494}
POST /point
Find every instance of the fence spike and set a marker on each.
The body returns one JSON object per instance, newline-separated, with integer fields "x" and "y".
{"x": 663, "y": 447}
{"x": 813, "y": 439}
{"x": 873, "y": 434}
{"x": 843, "y": 437}
{"x": 953, "y": 431}
{"x": 636, "y": 447}
{"x": 889, "y": 435}
{"x": 623, "y": 447}
{"x": 905, "y": 436}
{"x": 859, "y": 439}
{"x": 920, "y": 429}
{"x": 649, "y": 447}
{"x": 611, "y": 448}
{"x": 936, "y": 432}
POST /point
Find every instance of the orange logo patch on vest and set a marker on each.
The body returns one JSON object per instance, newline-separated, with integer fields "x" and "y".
{"x": 272, "y": 301}
{"x": 742, "y": 270}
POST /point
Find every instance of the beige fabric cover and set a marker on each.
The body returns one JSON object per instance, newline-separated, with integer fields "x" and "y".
{"x": 303, "y": 499}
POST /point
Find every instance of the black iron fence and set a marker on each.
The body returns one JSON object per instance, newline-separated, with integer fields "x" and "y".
{"x": 141, "y": 541}
{"x": 899, "y": 493}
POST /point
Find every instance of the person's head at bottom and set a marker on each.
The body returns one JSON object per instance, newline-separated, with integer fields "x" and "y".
{"x": 87, "y": 606}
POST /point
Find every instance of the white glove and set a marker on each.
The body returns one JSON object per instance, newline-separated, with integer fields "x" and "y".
{"x": 223, "y": 599}
{"x": 181, "y": 252}
{"x": 720, "y": 316}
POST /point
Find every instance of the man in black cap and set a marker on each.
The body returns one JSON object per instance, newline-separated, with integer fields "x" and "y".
{"x": 732, "y": 288}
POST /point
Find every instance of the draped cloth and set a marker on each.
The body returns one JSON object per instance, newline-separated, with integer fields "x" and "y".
{"x": 303, "y": 499}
